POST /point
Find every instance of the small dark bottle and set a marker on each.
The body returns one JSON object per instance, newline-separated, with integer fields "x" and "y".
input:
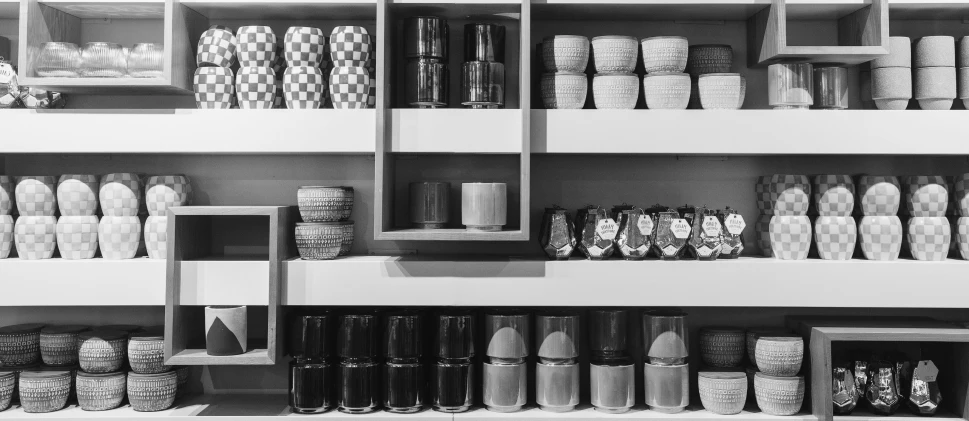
{"x": 451, "y": 383}
{"x": 357, "y": 343}
{"x": 310, "y": 371}
{"x": 403, "y": 379}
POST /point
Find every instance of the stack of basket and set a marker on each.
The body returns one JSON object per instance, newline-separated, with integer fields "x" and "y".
{"x": 326, "y": 231}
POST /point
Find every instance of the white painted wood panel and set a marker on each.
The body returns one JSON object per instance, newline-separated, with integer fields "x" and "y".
{"x": 456, "y": 131}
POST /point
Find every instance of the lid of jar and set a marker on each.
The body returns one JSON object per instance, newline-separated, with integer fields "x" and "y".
{"x": 105, "y": 335}
{"x": 607, "y": 331}
{"x": 454, "y": 338}
{"x": 402, "y": 335}
{"x": 357, "y": 336}
{"x": 21, "y": 328}
{"x": 310, "y": 336}
{"x": 100, "y": 375}
{"x": 152, "y": 376}
{"x": 64, "y": 329}
{"x": 123, "y": 328}
{"x": 34, "y": 374}
{"x": 507, "y": 334}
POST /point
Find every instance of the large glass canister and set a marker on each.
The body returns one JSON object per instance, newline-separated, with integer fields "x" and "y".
{"x": 612, "y": 374}
{"x": 452, "y": 373}
{"x": 557, "y": 369}
{"x": 403, "y": 374}
{"x": 790, "y": 86}
{"x": 504, "y": 372}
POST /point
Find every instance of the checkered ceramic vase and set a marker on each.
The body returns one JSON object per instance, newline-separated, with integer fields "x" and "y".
{"x": 156, "y": 237}
{"x": 77, "y": 194}
{"x": 119, "y": 236}
{"x": 926, "y": 195}
{"x": 35, "y": 237}
{"x": 256, "y": 46}
{"x": 961, "y": 237}
{"x": 836, "y": 237}
{"x": 303, "y": 87}
{"x": 303, "y": 46}
{"x": 349, "y": 87}
{"x": 881, "y": 237}
{"x": 214, "y": 87}
{"x": 929, "y": 237}
{"x": 279, "y": 62}
{"x": 879, "y": 195}
{"x": 350, "y": 46}
{"x": 834, "y": 195}
{"x": 7, "y": 195}
{"x": 790, "y": 236}
{"x": 279, "y": 101}
{"x": 765, "y": 196}
{"x": 762, "y": 229}
{"x": 793, "y": 194}
{"x": 77, "y": 236}
{"x": 120, "y": 194}
{"x": 217, "y": 47}
{"x": 6, "y": 235}
{"x": 372, "y": 70}
{"x": 255, "y": 87}
{"x": 36, "y": 195}
{"x": 164, "y": 191}
{"x": 960, "y": 198}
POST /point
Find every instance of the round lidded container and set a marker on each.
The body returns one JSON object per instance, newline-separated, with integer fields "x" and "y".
{"x": 100, "y": 392}
{"x": 152, "y": 392}
{"x": 20, "y": 345}
{"x": 44, "y": 391}
{"x": 58, "y": 344}
{"x": 146, "y": 352}
{"x": 102, "y": 351}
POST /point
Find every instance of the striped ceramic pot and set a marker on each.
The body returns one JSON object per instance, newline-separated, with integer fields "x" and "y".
{"x": 762, "y": 229}
{"x": 350, "y": 46}
{"x": 347, "y": 242}
{"x": 6, "y": 235}
{"x": 879, "y": 195}
{"x": 35, "y": 237}
{"x": 929, "y": 237}
{"x": 36, "y": 195}
{"x": 793, "y": 194}
{"x": 881, "y": 237}
{"x": 8, "y": 384}
{"x": 960, "y": 188}
{"x": 962, "y": 236}
{"x": 834, "y": 195}
{"x": 152, "y": 392}
{"x": 836, "y": 237}
{"x": 20, "y": 345}
{"x": 303, "y": 87}
{"x": 256, "y": 46}
{"x": 214, "y": 87}
{"x": 8, "y": 197}
{"x": 255, "y": 87}
{"x": 146, "y": 353}
{"x": 164, "y": 191}
{"x": 58, "y": 344}
{"x": 926, "y": 195}
{"x": 216, "y": 47}
{"x": 77, "y": 194}
{"x": 100, "y": 391}
{"x": 102, "y": 351}
{"x": 119, "y": 236}
{"x": 44, "y": 391}
{"x": 303, "y": 46}
{"x": 790, "y": 236}
{"x": 120, "y": 194}
{"x": 349, "y": 87}
{"x": 722, "y": 347}
{"x": 156, "y": 237}
{"x": 77, "y": 237}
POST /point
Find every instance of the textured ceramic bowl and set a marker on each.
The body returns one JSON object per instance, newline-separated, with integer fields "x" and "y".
{"x": 934, "y": 51}
{"x": 102, "y": 351}
{"x": 665, "y": 54}
{"x": 152, "y": 392}
{"x": 723, "y": 393}
{"x": 667, "y": 91}
{"x": 58, "y": 344}
{"x": 615, "y": 91}
{"x": 8, "y": 383}
{"x": 779, "y": 355}
{"x": 561, "y": 91}
{"x": 565, "y": 53}
{"x": 325, "y": 203}
{"x": 779, "y": 395}
{"x": 709, "y": 58}
{"x": 935, "y": 87}
{"x": 20, "y": 345}
{"x": 879, "y": 195}
{"x": 899, "y": 54}
{"x": 615, "y": 54}
{"x": 44, "y": 391}
{"x": 754, "y": 333}
{"x": 146, "y": 353}
{"x": 891, "y": 87}
{"x": 722, "y": 91}
{"x": 319, "y": 240}
{"x": 722, "y": 346}
{"x": 347, "y": 242}
{"x": 100, "y": 392}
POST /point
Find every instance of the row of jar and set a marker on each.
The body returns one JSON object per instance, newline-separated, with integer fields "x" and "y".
{"x": 99, "y": 59}
{"x": 883, "y": 383}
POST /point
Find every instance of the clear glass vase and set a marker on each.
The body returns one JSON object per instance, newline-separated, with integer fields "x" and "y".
{"x": 102, "y": 59}
{"x": 146, "y": 61}
{"x": 58, "y": 59}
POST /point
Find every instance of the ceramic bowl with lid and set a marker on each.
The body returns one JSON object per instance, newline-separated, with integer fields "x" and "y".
{"x": 20, "y": 345}
{"x": 100, "y": 392}
{"x": 44, "y": 391}
{"x": 58, "y": 344}
{"x": 146, "y": 352}
{"x": 152, "y": 392}
{"x": 723, "y": 392}
{"x": 325, "y": 203}
{"x": 102, "y": 351}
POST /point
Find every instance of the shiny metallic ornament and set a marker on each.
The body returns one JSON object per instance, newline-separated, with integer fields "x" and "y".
{"x": 882, "y": 392}
{"x": 706, "y": 240}
{"x": 733, "y": 233}
{"x": 671, "y": 235}
{"x": 483, "y": 84}
{"x": 843, "y": 391}
{"x": 924, "y": 395}
{"x": 635, "y": 234}
{"x": 596, "y": 232}
{"x": 555, "y": 235}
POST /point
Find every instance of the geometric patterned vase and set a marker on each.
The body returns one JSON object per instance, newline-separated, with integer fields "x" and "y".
{"x": 163, "y": 191}
{"x": 119, "y": 236}
{"x": 156, "y": 237}
{"x": 35, "y": 237}
{"x": 836, "y": 237}
{"x": 790, "y": 236}
{"x": 77, "y": 236}
{"x": 255, "y": 87}
{"x": 303, "y": 87}
{"x": 881, "y": 237}
{"x": 929, "y": 237}
{"x": 225, "y": 330}
{"x": 214, "y": 87}
{"x": 77, "y": 194}
{"x": 349, "y": 87}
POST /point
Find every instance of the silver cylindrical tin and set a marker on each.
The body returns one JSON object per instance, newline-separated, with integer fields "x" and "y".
{"x": 612, "y": 387}
{"x": 667, "y": 387}
{"x": 666, "y": 337}
{"x": 557, "y": 385}
{"x": 426, "y": 36}
{"x": 484, "y": 42}
{"x": 426, "y": 82}
{"x": 429, "y": 204}
{"x": 789, "y": 86}
{"x": 831, "y": 88}
{"x": 482, "y": 84}
{"x": 505, "y": 383}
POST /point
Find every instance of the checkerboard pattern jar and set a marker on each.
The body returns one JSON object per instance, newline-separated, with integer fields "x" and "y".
{"x": 762, "y": 230}
{"x": 766, "y": 197}
{"x": 929, "y": 237}
{"x": 77, "y": 194}
{"x": 35, "y": 237}
{"x": 962, "y": 236}
{"x": 350, "y": 46}
{"x": 793, "y": 194}
{"x": 834, "y": 195}
{"x": 279, "y": 63}
{"x": 836, "y": 237}
{"x": 36, "y": 195}
{"x": 6, "y": 235}
{"x": 255, "y": 87}
{"x": 164, "y": 191}
{"x": 303, "y": 87}
{"x": 926, "y": 195}
{"x": 156, "y": 237}
{"x": 120, "y": 194}
{"x": 881, "y": 237}
{"x": 256, "y": 46}
{"x": 77, "y": 237}
{"x": 879, "y": 195}
{"x": 119, "y": 237}
{"x": 960, "y": 198}
{"x": 790, "y": 236}
{"x": 303, "y": 46}
{"x": 7, "y": 194}
{"x": 214, "y": 87}
{"x": 349, "y": 87}
{"x": 216, "y": 47}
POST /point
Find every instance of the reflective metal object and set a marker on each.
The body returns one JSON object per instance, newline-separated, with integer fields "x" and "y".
{"x": 357, "y": 346}
{"x": 706, "y": 240}
{"x": 667, "y": 387}
{"x": 635, "y": 234}
{"x": 831, "y": 88}
{"x": 484, "y": 42}
{"x": 924, "y": 395}
{"x": 882, "y": 393}
{"x": 451, "y": 378}
{"x": 733, "y": 237}
{"x": 666, "y": 339}
{"x": 403, "y": 379}
{"x": 557, "y": 371}
{"x": 612, "y": 373}
{"x": 426, "y": 37}
{"x": 429, "y": 204}
{"x": 310, "y": 386}
{"x": 483, "y": 84}
{"x": 426, "y": 82}
{"x": 555, "y": 235}
{"x": 596, "y": 232}
{"x": 504, "y": 371}
{"x": 670, "y": 235}
{"x": 843, "y": 391}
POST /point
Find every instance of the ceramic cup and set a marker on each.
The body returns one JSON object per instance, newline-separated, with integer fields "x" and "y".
{"x": 615, "y": 91}
{"x": 665, "y": 54}
{"x": 484, "y": 206}
{"x": 709, "y": 58}
{"x": 929, "y": 237}
{"x": 723, "y": 393}
{"x": 935, "y": 87}
{"x": 303, "y": 46}
{"x": 790, "y": 236}
{"x": 564, "y": 90}
{"x": 349, "y": 87}
{"x": 77, "y": 237}
{"x": 255, "y": 87}
{"x": 780, "y": 355}
{"x": 891, "y": 87}
{"x": 319, "y": 240}
{"x": 835, "y": 237}
{"x": 216, "y": 48}
{"x": 722, "y": 347}
{"x": 226, "y": 330}
{"x": 934, "y": 51}
{"x": 77, "y": 194}
{"x": 615, "y": 54}
{"x": 667, "y": 91}
{"x": 779, "y": 395}
{"x": 119, "y": 236}
{"x": 325, "y": 203}
{"x": 35, "y": 237}
{"x": 214, "y": 87}
{"x": 881, "y": 237}
{"x": 256, "y": 46}
{"x": 899, "y": 54}
{"x": 565, "y": 53}
{"x": 36, "y": 195}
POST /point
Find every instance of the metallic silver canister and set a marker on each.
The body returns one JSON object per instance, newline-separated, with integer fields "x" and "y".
{"x": 426, "y": 37}
{"x": 667, "y": 387}
{"x": 613, "y": 386}
{"x": 484, "y": 42}
{"x": 666, "y": 337}
{"x": 831, "y": 88}
{"x": 557, "y": 371}
{"x": 429, "y": 204}
{"x": 505, "y": 375}
{"x": 483, "y": 84}
{"x": 426, "y": 83}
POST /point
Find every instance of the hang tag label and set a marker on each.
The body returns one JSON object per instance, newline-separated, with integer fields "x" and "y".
{"x": 711, "y": 226}
{"x": 926, "y": 371}
{"x": 607, "y": 229}
{"x": 645, "y": 225}
{"x": 6, "y": 73}
{"x": 735, "y": 223}
{"x": 680, "y": 228}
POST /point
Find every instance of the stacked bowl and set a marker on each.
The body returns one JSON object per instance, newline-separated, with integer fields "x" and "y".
{"x": 723, "y": 388}
{"x": 891, "y": 76}
{"x": 615, "y": 86}
{"x": 712, "y": 84}
{"x": 119, "y": 232}
{"x": 161, "y": 193}
{"x": 214, "y": 86}
{"x": 256, "y": 78}
{"x": 304, "y": 52}
{"x": 77, "y": 228}
{"x": 665, "y": 86}
{"x": 326, "y": 231}
{"x": 36, "y": 227}
{"x": 934, "y": 58}
{"x": 426, "y": 71}
{"x": 564, "y": 85}
{"x": 929, "y": 233}
{"x": 963, "y": 64}
{"x": 778, "y": 387}
{"x": 835, "y": 232}
{"x": 350, "y": 51}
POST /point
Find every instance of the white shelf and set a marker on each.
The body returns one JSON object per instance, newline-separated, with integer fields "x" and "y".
{"x": 456, "y": 130}
{"x": 586, "y": 412}
{"x": 193, "y": 131}
{"x": 749, "y": 132}
{"x": 9, "y": 9}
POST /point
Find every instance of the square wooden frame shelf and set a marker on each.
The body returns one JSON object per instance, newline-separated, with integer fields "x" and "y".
{"x": 821, "y": 332}
{"x": 862, "y": 36}
{"x": 185, "y": 242}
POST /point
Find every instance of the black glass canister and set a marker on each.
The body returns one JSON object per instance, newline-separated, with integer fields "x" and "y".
{"x": 357, "y": 343}
{"x": 451, "y": 382}
{"x": 310, "y": 372}
{"x": 612, "y": 374}
{"x": 403, "y": 379}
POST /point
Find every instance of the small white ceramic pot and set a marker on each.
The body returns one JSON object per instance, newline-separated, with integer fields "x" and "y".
{"x": 881, "y": 237}
{"x": 8, "y": 196}
{"x": 615, "y": 54}
{"x": 226, "y": 330}
{"x": 256, "y": 46}
{"x": 120, "y": 194}
{"x": 762, "y": 229}
{"x": 164, "y": 191}
{"x": 779, "y": 395}
{"x": 77, "y": 194}
{"x": 156, "y": 237}
{"x": 665, "y": 54}
{"x": 565, "y": 53}
{"x": 303, "y": 87}
{"x": 929, "y": 237}
{"x": 834, "y": 195}
{"x": 722, "y": 91}
{"x": 934, "y": 51}
{"x": 899, "y": 54}
{"x": 319, "y": 240}
{"x": 935, "y": 87}
{"x": 780, "y": 355}
{"x": 36, "y": 195}
{"x": 836, "y": 237}
{"x": 879, "y": 195}
{"x": 564, "y": 90}
{"x": 615, "y": 91}
{"x": 349, "y": 87}
{"x": 722, "y": 393}
{"x": 77, "y": 237}
{"x": 926, "y": 195}
{"x": 962, "y": 237}
{"x": 119, "y": 236}
{"x": 216, "y": 47}
{"x": 255, "y": 87}
{"x": 709, "y": 58}
{"x": 484, "y": 206}
{"x": 722, "y": 347}
{"x": 303, "y": 46}
{"x": 214, "y": 87}
{"x": 35, "y": 237}
{"x": 891, "y": 87}
{"x": 667, "y": 91}
{"x": 350, "y": 46}
{"x": 790, "y": 236}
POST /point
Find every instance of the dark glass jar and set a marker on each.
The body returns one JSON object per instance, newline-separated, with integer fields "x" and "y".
{"x": 356, "y": 340}
{"x": 310, "y": 386}
{"x": 403, "y": 373}
{"x": 451, "y": 383}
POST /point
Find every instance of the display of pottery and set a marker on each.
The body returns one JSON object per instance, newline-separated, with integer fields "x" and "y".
{"x": 723, "y": 393}
{"x": 934, "y": 60}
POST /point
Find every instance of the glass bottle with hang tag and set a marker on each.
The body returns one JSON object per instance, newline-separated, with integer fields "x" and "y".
{"x": 597, "y": 235}
{"x": 733, "y": 233}
{"x": 861, "y": 378}
{"x": 672, "y": 233}
{"x": 923, "y": 394}
{"x": 555, "y": 235}
{"x": 635, "y": 234}
{"x": 11, "y": 94}
{"x": 705, "y": 240}
{"x": 844, "y": 394}
{"x": 882, "y": 391}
